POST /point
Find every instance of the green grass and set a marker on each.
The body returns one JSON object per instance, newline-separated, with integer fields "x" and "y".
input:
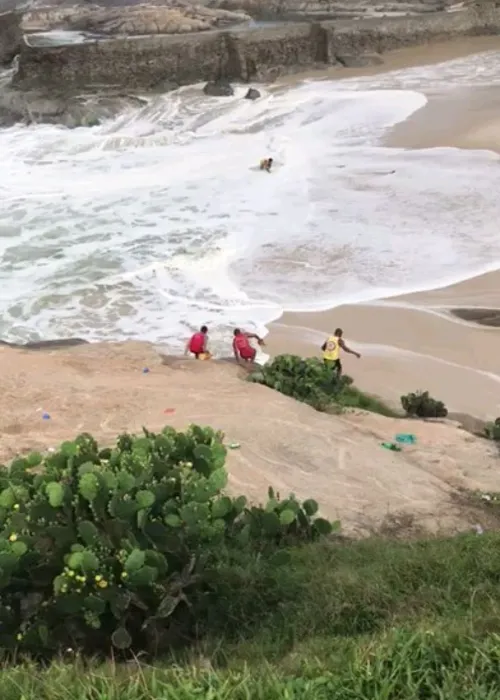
{"x": 352, "y": 397}
{"x": 369, "y": 620}
{"x": 401, "y": 666}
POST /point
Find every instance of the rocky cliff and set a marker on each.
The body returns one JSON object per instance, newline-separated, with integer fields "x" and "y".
{"x": 258, "y": 53}
{"x": 10, "y": 36}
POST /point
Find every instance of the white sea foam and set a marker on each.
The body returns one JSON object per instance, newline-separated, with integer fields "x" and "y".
{"x": 159, "y": 220}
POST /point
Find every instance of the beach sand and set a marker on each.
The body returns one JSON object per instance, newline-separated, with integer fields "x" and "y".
{"x": 399, "y": 59}
{"x": 445, "y": 340}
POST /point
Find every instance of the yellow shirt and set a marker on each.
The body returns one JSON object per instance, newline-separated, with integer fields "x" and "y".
{"x": 332, "y": 350}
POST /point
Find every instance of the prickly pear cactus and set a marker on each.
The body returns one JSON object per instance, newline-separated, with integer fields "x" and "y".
{"x": 102, "y": 547}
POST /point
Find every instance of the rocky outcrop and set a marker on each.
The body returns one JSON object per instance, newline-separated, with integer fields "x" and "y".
{"x": 46, "y": 344}
{"x": 218, "y": 88}
{"x": 130, "y": 63}
{"x": 138, "y": 20}
{"x": 252, "y": 94}
{"x": 335, "y": 459}
{"x": 49, "y": 107}
{"x": 10, "y": 36}
{"x": 255, "y": 54}
{"x": 318, "y": 10}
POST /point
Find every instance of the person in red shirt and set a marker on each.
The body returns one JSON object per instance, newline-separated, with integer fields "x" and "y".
{"x": 243, "y": 351}
{"x": 197, "y": 344}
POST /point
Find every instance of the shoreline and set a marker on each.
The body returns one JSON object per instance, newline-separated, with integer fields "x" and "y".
{"x": 425, "y": 339}
{"x": 443, "y": 339}
{"x": 401, "y": 59}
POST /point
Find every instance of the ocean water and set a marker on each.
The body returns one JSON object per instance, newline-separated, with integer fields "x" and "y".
{"x": 159, "y": 220}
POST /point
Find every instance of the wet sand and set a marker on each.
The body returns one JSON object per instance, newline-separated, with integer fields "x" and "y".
{"x": 405, "y": 349}
{"x": 398, "y": 59}
{"x": 446, "y": 340}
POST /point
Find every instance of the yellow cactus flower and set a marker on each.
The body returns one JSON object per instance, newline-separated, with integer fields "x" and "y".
{"x": 13, "y": 537}
{"x": 16, "y": 506}
{"x": 71, "y": 574}
{"x": 19, "y": 637}
{"x": 124, "y": 574}
{"x": 103, "y": 583}
{"x": 98, "y": 578}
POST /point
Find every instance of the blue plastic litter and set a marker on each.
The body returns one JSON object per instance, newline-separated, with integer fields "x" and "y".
{"x": 45, "y": 416}
{"x": 145, "y": 370}
{"x": 406, "y": 438}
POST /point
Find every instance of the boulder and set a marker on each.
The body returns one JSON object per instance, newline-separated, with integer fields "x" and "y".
{"x": 218, "y": 88}
{"x": 252, "y": 94}
{"x": 10, "y": 36}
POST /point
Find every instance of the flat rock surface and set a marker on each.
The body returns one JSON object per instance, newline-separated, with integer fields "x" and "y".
{"x": 174, "y": 18}
{"x": 101, "y": 388}
{"x": 111, "y": 17}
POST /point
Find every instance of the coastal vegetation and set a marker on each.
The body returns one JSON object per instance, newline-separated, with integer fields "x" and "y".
{"x": 127, "y": 573}
{"x": 420, "y": 404}
{"x": 131, "y": 546}
{"x": 310, "y": 381}
{"x": 492, "y": 429}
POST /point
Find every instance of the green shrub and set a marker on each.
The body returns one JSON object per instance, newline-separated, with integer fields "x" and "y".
{"x": 304, "y": 379}
{"x": 309, "y": 380}
{"x": 492, "y": 430}
{"x": 421, "y": 405}
{"x": 116, "y": 546}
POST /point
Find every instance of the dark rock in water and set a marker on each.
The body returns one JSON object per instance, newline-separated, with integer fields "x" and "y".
{"x": 252, "y": 94}
{"x": 166, "y": 85}
{"x": 46, "y": 344}
{"x": 10, "y": 36}
{"x": 218, "y": 88}
{"x": 359, "y": 61}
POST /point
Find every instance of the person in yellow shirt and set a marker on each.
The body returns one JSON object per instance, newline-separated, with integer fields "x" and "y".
{"x": 331, "y": 351}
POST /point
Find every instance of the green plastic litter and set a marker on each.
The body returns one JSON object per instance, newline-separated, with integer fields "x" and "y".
{"x": 391, "y": 446}
{"x": 406, "y": 438}
{"x": 234, "y": 445}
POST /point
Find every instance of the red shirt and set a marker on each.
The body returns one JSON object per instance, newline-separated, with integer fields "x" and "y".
{"x": 197, "y": 343}
{"x": 241, "y": 345}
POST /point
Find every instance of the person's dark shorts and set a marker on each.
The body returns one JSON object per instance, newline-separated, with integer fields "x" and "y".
{"x": 334, "y": 364}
